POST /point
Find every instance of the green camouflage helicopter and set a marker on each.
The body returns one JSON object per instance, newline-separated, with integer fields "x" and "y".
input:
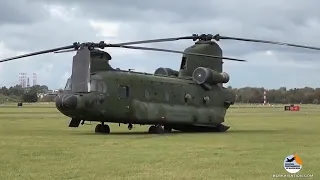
{"x": 189, "y": 100}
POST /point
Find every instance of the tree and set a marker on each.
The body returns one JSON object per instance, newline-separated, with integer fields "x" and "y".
{"x": 24, "y": 94}
{"x": 30, "y": 97}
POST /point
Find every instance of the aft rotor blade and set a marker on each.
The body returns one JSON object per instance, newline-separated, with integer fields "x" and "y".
{"x": 178, "y": 52}
{"x": 195, "y": 37}
{"x": 37, "y": 53}
{"x": 218, "y": 37}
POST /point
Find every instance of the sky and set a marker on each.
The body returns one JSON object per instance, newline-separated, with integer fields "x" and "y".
{"x": 32, "y": 25}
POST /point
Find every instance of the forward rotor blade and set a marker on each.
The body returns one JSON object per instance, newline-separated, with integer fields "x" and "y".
{"x": 195, "y": 37}
{"x": 65, "y": 51}
{"x": 37, "y": 53}
{"x": 178, "y": 52}
{"x": 218, "y": 37}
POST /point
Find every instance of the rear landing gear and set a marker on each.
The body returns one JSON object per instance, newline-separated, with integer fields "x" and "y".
{"x": 102, "y": 129}
{"x": 167, "y": 129}
{"x": 130, "y": 126}
{"x": 156, "y": 130}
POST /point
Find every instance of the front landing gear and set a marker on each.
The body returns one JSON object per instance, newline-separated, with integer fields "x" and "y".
{"x": 222, "y": 128}
{"x": 102, "y": 129}
{"x": 156, "y": 130}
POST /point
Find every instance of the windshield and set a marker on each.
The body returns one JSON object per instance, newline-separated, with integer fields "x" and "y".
{"x": 68, "y": 84}
{"x": 93, "y": 85}
{"x": 98, "y": 86}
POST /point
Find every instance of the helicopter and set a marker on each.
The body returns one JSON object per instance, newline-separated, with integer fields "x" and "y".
{"x": 192, "y": 99}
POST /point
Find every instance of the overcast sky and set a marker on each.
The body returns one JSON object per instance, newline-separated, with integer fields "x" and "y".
{"x": 30, "y": 25}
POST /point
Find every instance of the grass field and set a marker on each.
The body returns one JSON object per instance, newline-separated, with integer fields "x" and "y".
{"x": 37, "y": 144}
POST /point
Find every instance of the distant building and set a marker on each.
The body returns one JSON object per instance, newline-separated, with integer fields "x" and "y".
{"x": 55, "y": 91}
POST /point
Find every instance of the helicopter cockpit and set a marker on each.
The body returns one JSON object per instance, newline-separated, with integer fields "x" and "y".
{"x": 97, "y": 86}
{"x": 71, "y": 102}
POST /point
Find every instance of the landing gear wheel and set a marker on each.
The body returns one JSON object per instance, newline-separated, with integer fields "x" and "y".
{"x": 167, "y": 129}
{"x": 98, "y": 128}
{"x": 159, "y": 130}
{"x": 156, "y": 130}
{"x": 152, "y": 129}
{"x": 104, "y": 129}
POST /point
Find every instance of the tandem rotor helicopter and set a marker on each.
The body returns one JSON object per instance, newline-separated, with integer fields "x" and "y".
{"x": 191, "y": 99}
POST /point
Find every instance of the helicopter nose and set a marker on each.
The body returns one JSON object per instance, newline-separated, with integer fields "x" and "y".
{"x": 67, "y": 102}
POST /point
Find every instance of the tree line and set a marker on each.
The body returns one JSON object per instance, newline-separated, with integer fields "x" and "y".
{"x": 282, "y": 95}
{"x": 18, "y": 93}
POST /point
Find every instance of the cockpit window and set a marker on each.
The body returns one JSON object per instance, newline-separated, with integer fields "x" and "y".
{"x": 102, "y": 88}
{"x": 98, "y": 86}
{"x": 93, "y": 85}
{"x": 68, "y": 85}
{"x": 183, "y": 63}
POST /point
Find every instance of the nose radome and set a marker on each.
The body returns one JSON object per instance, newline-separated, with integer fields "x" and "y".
{"x": 69, "y": 102}
{"x": 66, "y": 102}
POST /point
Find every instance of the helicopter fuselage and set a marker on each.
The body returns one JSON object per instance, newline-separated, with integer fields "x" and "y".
{"x": 140, "y": 98}
{"x": 192, "y": 98}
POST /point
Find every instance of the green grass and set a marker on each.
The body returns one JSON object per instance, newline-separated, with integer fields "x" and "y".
{"x": 35, "y": 143}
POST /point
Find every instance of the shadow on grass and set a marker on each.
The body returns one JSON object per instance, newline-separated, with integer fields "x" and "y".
{"x": 256, "y": 131}
{"x": 144, "y": 133}
{"x": 130, "y": 133}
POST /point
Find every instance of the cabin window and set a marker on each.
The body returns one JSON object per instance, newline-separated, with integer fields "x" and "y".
{"x": 123, "y": 92}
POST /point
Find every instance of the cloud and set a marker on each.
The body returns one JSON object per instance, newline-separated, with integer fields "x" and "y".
{"x": 21, "y": 12}
{"x": 35, "y": 25}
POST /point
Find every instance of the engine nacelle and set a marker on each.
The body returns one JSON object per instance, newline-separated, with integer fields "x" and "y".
{"x": 166, "y": 72}
{"x": 203, "y": 75}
